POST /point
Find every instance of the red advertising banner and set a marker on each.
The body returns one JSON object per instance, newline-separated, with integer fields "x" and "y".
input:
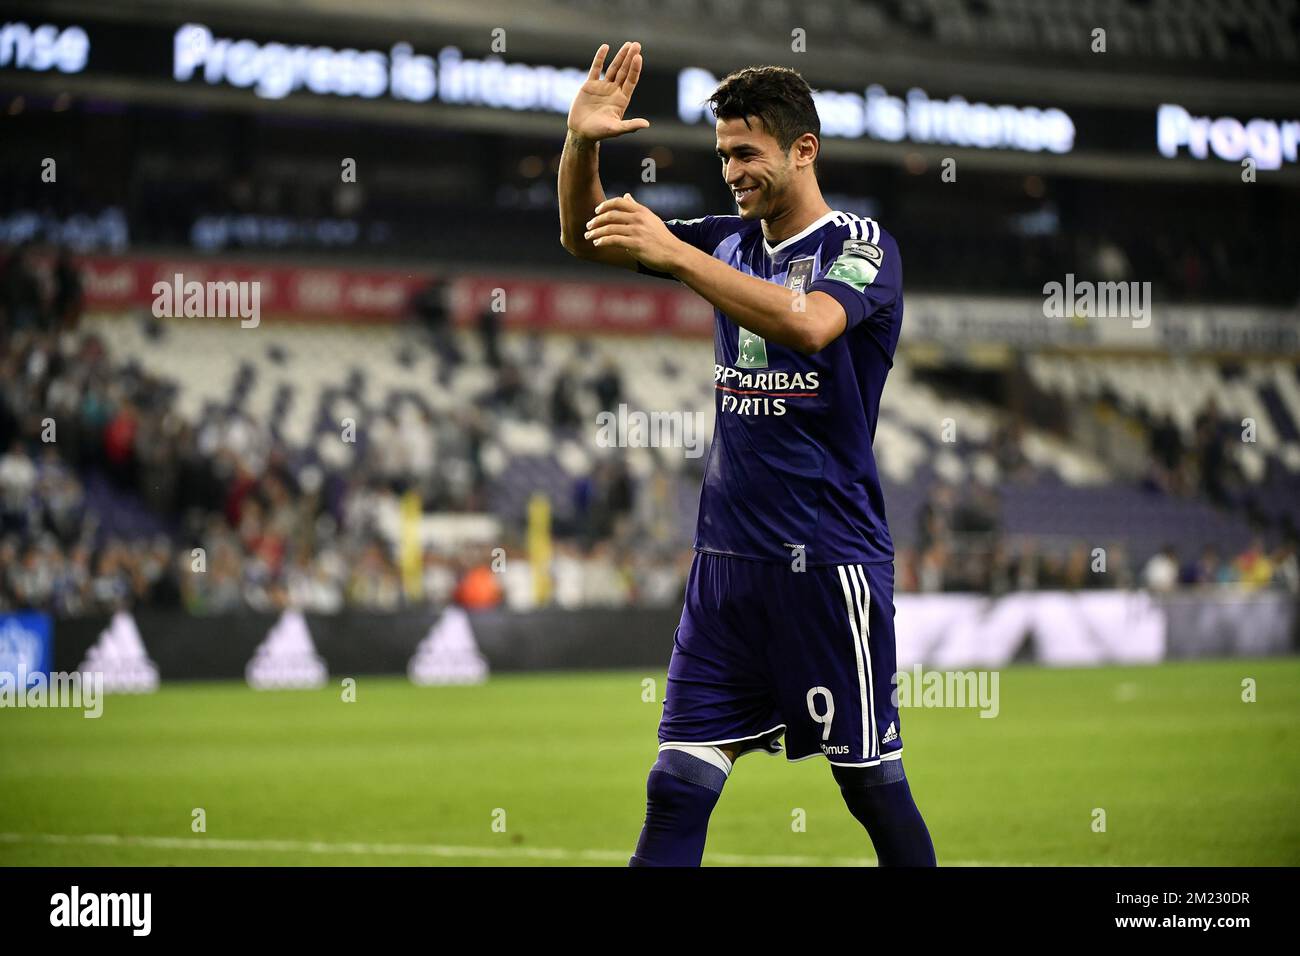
{"x": 121, "y": 282}
{"x": 316, "y": 293}
{"x": 565, "y": 306}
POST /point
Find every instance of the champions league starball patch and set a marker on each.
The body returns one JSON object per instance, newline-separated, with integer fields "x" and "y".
{"x": 751, "y": 351}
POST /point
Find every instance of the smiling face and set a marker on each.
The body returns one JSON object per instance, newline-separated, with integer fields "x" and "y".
{"x": 754, "y": 166}
{"x": 760, "y": 174}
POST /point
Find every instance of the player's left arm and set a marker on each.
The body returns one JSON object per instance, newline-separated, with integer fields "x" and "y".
{"x": 806, "y": 323}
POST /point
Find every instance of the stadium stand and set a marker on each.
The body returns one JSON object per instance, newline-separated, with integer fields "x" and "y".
{"x": 186, "y": 434}
{"x": 210, "y": 414}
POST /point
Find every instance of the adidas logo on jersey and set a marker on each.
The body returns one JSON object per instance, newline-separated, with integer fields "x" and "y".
{"x": 891, "y": 733}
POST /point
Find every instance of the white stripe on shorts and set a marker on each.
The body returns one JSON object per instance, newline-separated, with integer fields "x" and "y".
{"x": 852, "y": 599}
{"x": 866, "y": 654}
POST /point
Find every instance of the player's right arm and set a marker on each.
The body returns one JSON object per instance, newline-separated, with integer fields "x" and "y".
{"x": 596, "y": 114}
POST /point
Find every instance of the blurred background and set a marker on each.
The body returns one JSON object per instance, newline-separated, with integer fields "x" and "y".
{"x": 424, "y": 297}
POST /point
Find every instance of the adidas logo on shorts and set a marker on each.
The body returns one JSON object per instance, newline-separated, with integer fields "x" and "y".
{"x": 891, "y": 733}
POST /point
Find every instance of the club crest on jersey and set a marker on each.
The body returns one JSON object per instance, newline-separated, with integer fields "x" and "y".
{"x": 858, "y": 263}
{"x": 751, "y": 351}
{"x": 799, "y": 274}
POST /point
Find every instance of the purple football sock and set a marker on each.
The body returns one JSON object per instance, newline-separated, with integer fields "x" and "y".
{"x": 681, "y": 793}
{"x": 881, "y": 800}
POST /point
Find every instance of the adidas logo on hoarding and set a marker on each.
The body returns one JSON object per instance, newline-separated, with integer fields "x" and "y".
{"x": 449, "y": 654}
{"x": 287, "y": 658}
{"x": 119, "y": 655}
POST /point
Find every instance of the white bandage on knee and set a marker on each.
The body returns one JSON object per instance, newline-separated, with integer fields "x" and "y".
{"x": 705, "y": 752}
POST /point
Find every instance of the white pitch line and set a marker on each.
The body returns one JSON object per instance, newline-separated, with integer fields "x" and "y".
{"x": 422, "y": 849}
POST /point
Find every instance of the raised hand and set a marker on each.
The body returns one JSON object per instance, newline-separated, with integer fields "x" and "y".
{"x": 597, "y": 110}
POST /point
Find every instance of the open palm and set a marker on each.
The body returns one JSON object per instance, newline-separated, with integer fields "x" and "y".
{"x": 597, "y": 110}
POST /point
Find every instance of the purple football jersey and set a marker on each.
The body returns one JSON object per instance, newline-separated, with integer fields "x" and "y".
{"x": 791, "y": 466}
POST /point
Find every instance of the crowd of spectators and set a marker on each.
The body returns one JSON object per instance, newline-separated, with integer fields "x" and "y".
{"x": 242, "y": 522}
{"x": 1203, "y": 466}
{"x": 225, "y": 515}
{"x": 960, "y": 545}
{"x": 110, "y": 497}
{"x": 1257, "y": 566}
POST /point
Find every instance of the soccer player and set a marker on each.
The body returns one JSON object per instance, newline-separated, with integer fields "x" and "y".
{"x": 787, "y": 627}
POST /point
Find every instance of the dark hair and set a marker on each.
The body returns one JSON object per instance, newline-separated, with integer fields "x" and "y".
{"x": 777, "y": 95}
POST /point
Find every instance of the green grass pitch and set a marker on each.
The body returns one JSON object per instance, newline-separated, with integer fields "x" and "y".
{"x": 550, "y": 770}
